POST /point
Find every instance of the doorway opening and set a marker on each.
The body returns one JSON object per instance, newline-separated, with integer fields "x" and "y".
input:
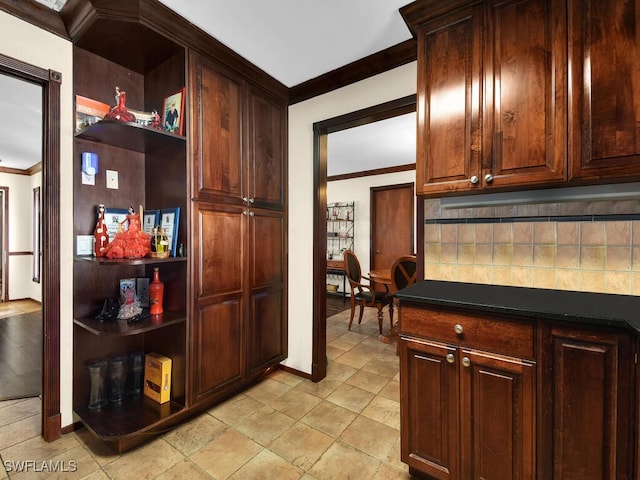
{"x": 50, "y": 82}
{"x": 320, "y": 155}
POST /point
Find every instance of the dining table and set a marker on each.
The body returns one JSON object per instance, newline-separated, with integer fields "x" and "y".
{"x": 383, "y": 276}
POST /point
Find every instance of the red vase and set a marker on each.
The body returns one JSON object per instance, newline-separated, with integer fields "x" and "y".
{"x": 156, "y": 293}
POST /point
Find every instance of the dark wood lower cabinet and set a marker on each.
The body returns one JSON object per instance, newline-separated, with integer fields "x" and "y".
{"x": 566, "y": 410}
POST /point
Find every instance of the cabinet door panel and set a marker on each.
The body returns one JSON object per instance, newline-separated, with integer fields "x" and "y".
{"x": 216, "y": 136}
{"x": 591, "y": 408}
{"x": 267, "y": 151}
{"x": 266, "y": 330}
{"x": 497, "y": 417}
{"x": 525, "y": 100}
{"x": 220, "y": 234}
{"x": 604, "y": 120}
{"x": 448, "y": 111}
{"x": 429, "y": 402}
{"x": 218, "y": 348}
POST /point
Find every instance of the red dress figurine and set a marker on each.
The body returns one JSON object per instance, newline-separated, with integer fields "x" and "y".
{"x": 100, "y": 234}
{"x": 131, "y": 243}
{"x": 120, "y": 112}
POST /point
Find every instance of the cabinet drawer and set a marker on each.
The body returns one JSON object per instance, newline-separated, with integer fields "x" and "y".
{"x": 486, "y": 332}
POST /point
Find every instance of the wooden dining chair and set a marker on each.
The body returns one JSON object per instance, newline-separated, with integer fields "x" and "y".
{"x": 403, "y": 272}
{"x": 361, "y": 294}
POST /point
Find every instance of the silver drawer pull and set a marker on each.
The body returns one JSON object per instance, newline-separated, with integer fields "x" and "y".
{"x": 458, "y": 329}
{"x": 466, "y": 362}
{"x": 450, "y": 358}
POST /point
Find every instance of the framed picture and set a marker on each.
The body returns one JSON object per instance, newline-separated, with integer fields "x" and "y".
{"x": 173, "y": 112}
{"x": 169, "y": 220}
{"x": 113, "y": 217}
{"x": 142, "y": 290}
{"x": 150, "y": 218}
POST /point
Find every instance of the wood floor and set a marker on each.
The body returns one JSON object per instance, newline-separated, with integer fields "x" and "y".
{"x": 20, "y": 349}
{"x": 336, "y": 304}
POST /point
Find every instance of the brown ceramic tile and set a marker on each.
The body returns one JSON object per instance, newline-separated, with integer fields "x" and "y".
{"x": 467, "y": 233}
{"x": 353, "y": 359}
{"x": 523, "y": 232}
{"x": 522, "y": 277}
{"x": 592, "y": 281}
{"x": 184, "y": 469}
{"x": 484, "y": 254}
{"x": 592, "y": 258}
{"x": 465, "y": 273}
{"x": 288, "y": 377}
{"x": 449, "y": 253}
{"x": 296, "y": 404}
{"x": 342, "y": 461}
{"x": 482, "y": 274}
{"x": 432, "y": 209}
{"x": 449, "y": 233}
{"x": 466, "y": 254}
{"x": 391, "y": 391}
{"x": 235, "y": 410}
{"x": 368, "y": 381}
{"x": 329, "y": 418}
{"x": 528, "y": 210}
{"x": 265, "y": 425}
{"x": 301, "y": 445}
{"x": 432, "y": 253}
{"x": 618, "y": 233}
{"x": 618, "y": 258}
{"x": 549, "y": 209}
{"x": 502, "y": 254}
{"x": 635, "y": 283}
{"x": 544, "y": 278}
{"x": 320, "y": 389}
{"x": 568, "y": 256}
{"x": 484, "y": 233}
{"x": 267, "y": 390}
{"x": 636, "y": 232}
{"x": 502, "y": 233}
{"x": 350, "y": 397}
{"x": 147, "y": 461}
{"x": 267, "y": 466}
{"x": 522, "y": 255}
{"x": 371, "y": 437}
{"x": 592, "y": 233}
{"x": 568, "y": 233}
{"x": 432, "y": 233}
{"x": 19, "y": 431}
{"x": 544, "y": 233}
{"x": 568, "y": 279}
{"x": 226, "y": 454}
{"x": 635, "y": 259}
{"x": 501, "y": 275}
{"x": 384, "y": 411}
{"x": 194, "y": 434}
{"x": 545, "y": 256}
{"x": 618, "y": 283}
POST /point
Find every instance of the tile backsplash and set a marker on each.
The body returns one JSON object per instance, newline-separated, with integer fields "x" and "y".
{"x": 587, "y": 246}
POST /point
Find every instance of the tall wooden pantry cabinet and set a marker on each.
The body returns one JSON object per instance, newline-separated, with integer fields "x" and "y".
{"x": 224, "y": 323}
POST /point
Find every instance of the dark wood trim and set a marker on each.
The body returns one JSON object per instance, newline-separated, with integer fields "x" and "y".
{"x": 420, "y": 238}
{"x": 14, "y": 171}
{"x": 375, "y": 171}
{"x": 421, "y": 11}
{"x": 390, "y": 58}
{"x": 37, "y": 168}
{"x": 5, "y": 241}
{"x": 295, "y": 372}
{"x": 18, "y": 254}
{"x": 321, "y": 131}
{"x": 36, "y": 14}
{"x": 50, "y": 81}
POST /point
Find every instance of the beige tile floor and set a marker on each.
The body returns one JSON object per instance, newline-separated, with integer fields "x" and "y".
{"x": 345, "y": 427}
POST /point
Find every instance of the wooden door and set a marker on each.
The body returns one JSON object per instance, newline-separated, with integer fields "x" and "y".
{"x": 392, "y": 220}
{"x": 217, "y": 337}
{"x": 216, "y": 135}
{"x": 525, "y": 93}
{"x": 448, "y": 107}
{"x": 267, "y": 143}
{"x": 604, "y": 114}
{"x": 429, "y": 435}
{"x": 590, "y": 398}
{"x": 497, "y": 417}
{"x": 266, "y": 325}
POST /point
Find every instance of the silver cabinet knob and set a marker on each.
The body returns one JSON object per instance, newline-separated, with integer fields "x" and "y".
{"x": 488, "y": 178}
{"x": 474, "y": 179}
{"x": 466, "y": 362}
{"x": 450, "y": 358}
{"x": 244, "y": 212}
{"x": 251, "y": 213}
{"x": 251, "y": 199}
{"x": 458, "y": 329}
{"x": 245, "y": 199}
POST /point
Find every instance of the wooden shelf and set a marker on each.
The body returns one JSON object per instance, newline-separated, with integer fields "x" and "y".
{"x": 131, "y": 417}
{"x": 130, "y": 136}
{"x": 129, "y": 261}
{"x": 123, "y": 328}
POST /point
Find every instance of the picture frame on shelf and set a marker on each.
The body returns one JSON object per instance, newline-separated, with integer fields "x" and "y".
{"x": 150, "y": 219}
{"x": 113, "y": 217}
{"x": 173, "y": 112}
{"x": 169, "y": 220}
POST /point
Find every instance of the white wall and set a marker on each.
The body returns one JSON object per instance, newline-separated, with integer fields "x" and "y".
{"x": 385, "y": 87}
{"x": 358, "y": 190}
{"x": 20, "y": 201}
{"x": 33, "y": 45}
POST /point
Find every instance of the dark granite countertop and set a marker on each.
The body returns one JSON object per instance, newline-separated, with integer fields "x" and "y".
{"x": 578, "y": 307}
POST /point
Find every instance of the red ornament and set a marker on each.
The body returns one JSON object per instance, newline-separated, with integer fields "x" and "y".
{"x": 156, "y": 293}
{"x": 100, "y": 234}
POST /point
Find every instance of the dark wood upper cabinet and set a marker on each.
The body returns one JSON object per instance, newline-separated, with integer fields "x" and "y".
{"x": 525, "y": 66}
{"x": 448, "y": 107}
{"x": 523, "y": 94}
{"x": 604, "y": 95}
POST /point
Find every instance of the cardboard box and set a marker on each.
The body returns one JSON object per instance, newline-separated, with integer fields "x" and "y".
{"x": 157, "y": 377}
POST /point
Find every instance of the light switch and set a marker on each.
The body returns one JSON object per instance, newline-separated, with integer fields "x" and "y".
{"x": 112, "y": 179}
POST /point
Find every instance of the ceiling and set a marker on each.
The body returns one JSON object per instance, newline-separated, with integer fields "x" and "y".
{"x": 293, "y": 41}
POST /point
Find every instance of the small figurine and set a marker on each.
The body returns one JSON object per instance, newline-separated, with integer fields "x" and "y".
{"x": 120, "y": 112}
{"x": 100, "y": 234}
{"x": 131, "y": 243}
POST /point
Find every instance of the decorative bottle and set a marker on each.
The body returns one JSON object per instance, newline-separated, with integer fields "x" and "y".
{"x": 156, "y": 293}
{"x": 100, "y": 234}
